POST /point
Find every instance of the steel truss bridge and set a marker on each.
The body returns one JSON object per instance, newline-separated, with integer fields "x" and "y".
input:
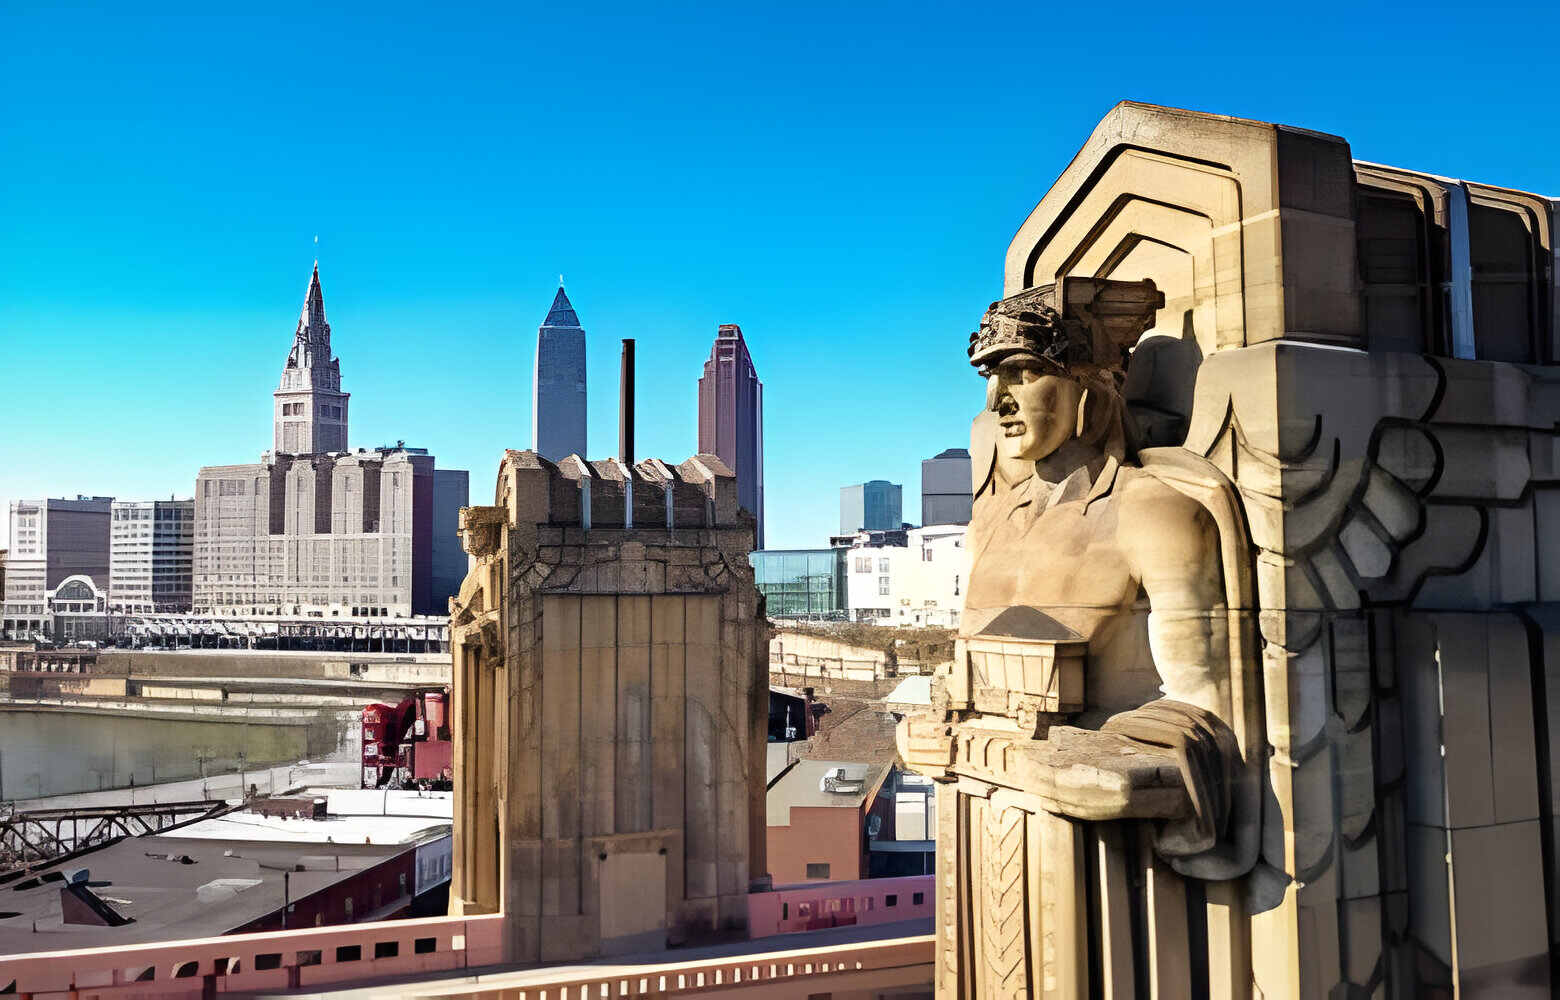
{"x": 38, "y": 836}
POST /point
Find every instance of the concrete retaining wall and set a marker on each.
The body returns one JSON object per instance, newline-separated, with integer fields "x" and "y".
{"x": 825, "y": 658}
{"x": 416, "y": 668}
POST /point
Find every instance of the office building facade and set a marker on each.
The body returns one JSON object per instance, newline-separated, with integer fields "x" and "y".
{"x": 451, "y": 492}
{"x": 947, "y": 495}
{"x": 877, "y": 505}
{"x": 321, "y": 535}
{"x": 558, "y": 385}
{"x": 53, "y": 541}
{"x": 731, "y": 418}
{"x": 919, "y": 583}
{"x": 151, "y": 556}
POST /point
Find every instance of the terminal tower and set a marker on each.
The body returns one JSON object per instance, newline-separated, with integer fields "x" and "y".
{"x": 311, "y": 409}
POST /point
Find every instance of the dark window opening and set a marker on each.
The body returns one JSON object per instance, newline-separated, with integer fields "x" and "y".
{"x": 349, "y": 953}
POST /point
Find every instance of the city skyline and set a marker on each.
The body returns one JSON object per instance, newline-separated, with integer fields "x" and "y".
{"x": 155, "y": 258}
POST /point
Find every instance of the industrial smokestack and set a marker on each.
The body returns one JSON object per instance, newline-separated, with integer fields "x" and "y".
{"x": 626, "y": 406}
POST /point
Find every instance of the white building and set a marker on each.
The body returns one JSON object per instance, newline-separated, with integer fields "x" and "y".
{"x": 52, "y": 541}
{"x": 151, "y": 556}
{"x": 921, "y": 583}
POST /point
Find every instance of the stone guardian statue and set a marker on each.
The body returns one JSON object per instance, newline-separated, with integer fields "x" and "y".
{"x": 1103, "y": 688}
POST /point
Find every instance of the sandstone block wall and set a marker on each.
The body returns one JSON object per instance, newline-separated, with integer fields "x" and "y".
{"x": 610, "y": 702}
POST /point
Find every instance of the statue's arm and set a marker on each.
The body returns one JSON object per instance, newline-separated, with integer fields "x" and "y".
{"x": 1173, "y": 546}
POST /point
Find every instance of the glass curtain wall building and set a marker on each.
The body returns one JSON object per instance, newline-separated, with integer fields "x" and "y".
{"x": 801, "y": 583}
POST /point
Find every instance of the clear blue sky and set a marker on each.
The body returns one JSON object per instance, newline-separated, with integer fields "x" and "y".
{"x": 841, "y": 180}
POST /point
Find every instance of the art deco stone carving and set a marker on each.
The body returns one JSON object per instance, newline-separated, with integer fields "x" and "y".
{"x": 1252, "y": 691}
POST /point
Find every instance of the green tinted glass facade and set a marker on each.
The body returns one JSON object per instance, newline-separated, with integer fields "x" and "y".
{"x": 801, "y": 582}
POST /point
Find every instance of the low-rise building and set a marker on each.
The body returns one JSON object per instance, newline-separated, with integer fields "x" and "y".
{"x": 801, "y": 583}
{"x": 919, "y": 583}
{"x": 819, "y": 814}
{"x": 906, "y": 842}
{"x": 322, "y": 858}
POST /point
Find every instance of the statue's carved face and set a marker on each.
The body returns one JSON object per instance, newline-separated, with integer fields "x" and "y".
{"x": 1036, "y": 410}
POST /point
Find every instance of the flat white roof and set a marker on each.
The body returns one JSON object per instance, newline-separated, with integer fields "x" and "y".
{"x": 377, "y": 830}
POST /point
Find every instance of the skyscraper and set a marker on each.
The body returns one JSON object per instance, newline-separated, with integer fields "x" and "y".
{"x": 731, "y": 418}
{"x": 312, "y": 528}
{"x": 946, "y": 493}
{"x": 875, "y": 505}
{"x": 558, "y": 388}
{"x": 311, "y": 409}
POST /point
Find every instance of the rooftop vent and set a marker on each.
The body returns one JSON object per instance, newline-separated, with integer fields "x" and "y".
{"x": 835, "y": 780}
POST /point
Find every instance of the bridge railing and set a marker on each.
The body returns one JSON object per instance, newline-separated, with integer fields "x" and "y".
{"x": 245, "y": 963}
{"x": 354, "y": 953}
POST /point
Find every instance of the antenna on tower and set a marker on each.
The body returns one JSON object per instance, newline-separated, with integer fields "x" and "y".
{"x": 316, "y": 251}
{"x": 560, "y": 281}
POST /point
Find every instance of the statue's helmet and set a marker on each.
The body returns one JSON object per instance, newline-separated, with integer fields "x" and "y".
{"x": 1078, "y": 326}
{"x": 1025, "y": 328}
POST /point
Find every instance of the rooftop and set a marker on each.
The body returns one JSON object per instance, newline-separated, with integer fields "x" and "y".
{"x": 174, "y": 887}
{"x": 807, "y": 782}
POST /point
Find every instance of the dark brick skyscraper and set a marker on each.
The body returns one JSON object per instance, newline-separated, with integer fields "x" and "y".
{"x": 731, "y": 418}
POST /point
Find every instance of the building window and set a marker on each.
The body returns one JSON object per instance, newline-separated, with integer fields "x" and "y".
{"x": 882, "y": 586}
{"x": 863, "y": 564}
{"x": 892, "y": 899}
{"x": 817, "y": 869}
{"x": 882, "y": 565}
{"x": 917, "y": 898}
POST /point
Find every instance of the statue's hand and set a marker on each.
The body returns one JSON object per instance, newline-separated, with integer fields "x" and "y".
{"x": 1208, "y": 754}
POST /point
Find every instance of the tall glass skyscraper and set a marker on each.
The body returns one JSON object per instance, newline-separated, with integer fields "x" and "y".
{"x": 731, "y": 418}
{"x": 875, "y": 505}
{"x": 558, "y": 385}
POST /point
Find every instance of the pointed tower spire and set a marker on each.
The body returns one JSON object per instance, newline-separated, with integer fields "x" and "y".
{"x": 311, "y": 409}
{"x": 311, "y": 320}
{"x": 561, "y": 313}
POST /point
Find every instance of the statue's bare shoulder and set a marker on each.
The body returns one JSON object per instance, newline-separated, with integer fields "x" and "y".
{"x": 1170, "y": 540}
